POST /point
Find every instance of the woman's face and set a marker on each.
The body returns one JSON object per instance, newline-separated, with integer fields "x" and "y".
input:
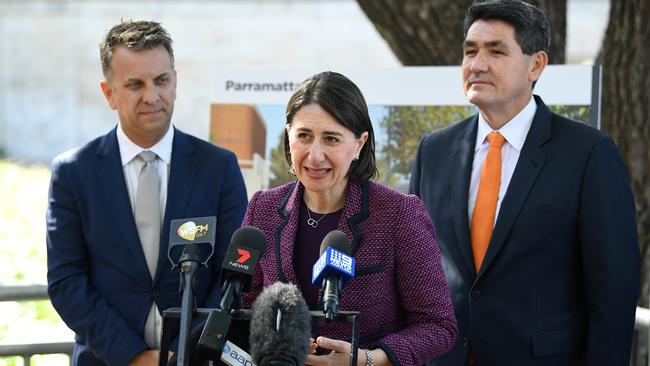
{"x": 322, "y": 150}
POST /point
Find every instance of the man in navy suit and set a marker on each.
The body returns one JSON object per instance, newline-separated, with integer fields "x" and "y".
{"x": 543, "y": 263}
{"x": 108, "y": 273}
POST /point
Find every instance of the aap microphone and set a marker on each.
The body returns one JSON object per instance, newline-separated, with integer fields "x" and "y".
{"x": 333, "y": 270}
{"x": 280, "y": 327}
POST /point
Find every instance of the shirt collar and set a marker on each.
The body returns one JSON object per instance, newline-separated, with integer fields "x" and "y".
{"x": 514, "y": 131}
{"x": 129, "y": 150}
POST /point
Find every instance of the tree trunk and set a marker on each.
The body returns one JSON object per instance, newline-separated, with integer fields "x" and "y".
{"x": 422, "y": 32}
{"x": 626, "y": 115}
{"x": 556, "y": 12}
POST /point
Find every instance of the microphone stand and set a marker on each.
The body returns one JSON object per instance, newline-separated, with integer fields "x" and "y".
{"x": 215, "y": 329}
{"x": 351, "y": 317}
{"x": 188, "y": 263}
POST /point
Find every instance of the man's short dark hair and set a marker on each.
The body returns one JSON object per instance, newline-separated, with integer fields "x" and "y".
{"x": 342, "y": 99}
{"x": 136, "y": 35}
{"x": 532, "y": 30}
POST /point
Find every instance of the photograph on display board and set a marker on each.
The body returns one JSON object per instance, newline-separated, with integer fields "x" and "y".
{"x": 254, "y": 130}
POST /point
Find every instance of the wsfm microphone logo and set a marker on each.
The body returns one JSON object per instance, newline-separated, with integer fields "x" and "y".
{"x": 191, "y": 231}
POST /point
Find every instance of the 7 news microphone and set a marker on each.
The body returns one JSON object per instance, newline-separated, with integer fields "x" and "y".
{"x": 333, "y": 270}
{"x": 280, "y": 327}
{"x": 246, "y": 247}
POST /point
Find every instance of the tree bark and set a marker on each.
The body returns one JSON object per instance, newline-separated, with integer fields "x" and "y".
{"x": 556, "y": 13}
{"x": 626, "y": 115}
{"x": 422, "y": 32}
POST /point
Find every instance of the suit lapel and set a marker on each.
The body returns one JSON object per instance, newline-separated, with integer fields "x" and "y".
{"x": 285, "y": 236}
{"x": 181, "y": 178}
{"x": 356, "y": 210}
{"x": 462, "y": 157}
{"x": 111, "y": 179}
{"x": 530, "y": 163}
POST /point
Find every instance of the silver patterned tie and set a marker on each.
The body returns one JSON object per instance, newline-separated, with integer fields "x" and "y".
{"x": 147, "y": 210}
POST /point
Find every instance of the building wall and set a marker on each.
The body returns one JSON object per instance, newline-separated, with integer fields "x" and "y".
{"x": 239, "y": 128}
{"x": 49, "y": 95}
{"x": 49, "y": 69}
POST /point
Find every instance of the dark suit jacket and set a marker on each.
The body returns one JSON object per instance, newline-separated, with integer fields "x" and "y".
{"x": 97, "y": 274}
{"x": 560, "y": 279}
{"x": 399, "y": 285}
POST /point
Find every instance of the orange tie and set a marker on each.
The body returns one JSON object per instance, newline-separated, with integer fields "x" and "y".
{"x": 486, "y": 199}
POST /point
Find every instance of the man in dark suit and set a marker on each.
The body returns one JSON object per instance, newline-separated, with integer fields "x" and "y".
{"x": 534, "y": 213}
{"x": 112, "y": 200}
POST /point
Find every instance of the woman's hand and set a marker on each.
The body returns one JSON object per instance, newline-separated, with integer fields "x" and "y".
{"x": 340, "y": 354}
{"x": 312, "y": 346}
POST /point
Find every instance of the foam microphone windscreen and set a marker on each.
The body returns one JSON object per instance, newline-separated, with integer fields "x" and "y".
{"x": 280, "y": 326}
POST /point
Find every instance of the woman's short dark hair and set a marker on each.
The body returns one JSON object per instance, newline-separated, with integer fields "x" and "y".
{"x": 342, "y": 99}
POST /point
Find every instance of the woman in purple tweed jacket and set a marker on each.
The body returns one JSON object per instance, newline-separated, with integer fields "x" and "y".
{"x": 399, "y": 286}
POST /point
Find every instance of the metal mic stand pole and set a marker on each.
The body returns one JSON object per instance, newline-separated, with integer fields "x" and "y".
{"x": 189, "y": 263}
{"x": 347, "y": 317}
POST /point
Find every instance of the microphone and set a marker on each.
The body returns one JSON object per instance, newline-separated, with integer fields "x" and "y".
{"x": 189, "y": 233}
{"x": 333, "y": 270}
{"x": 280, "y": 327}
{"x": 246, "y": 246}
{"x": 198, "y": 233}
{"x": 248, "y": 243}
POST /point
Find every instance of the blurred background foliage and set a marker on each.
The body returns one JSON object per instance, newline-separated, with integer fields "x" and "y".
{"x": 23, "y": 189}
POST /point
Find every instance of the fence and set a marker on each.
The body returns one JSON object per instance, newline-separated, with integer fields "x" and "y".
{"x": 39, "y": 292}
{"x": 27, "y": 350}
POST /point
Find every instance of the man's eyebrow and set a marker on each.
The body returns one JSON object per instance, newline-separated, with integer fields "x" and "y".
{"x": 495, "y": 43}
{"x": 132, "y": 80}
{"x": 164, "y": 74}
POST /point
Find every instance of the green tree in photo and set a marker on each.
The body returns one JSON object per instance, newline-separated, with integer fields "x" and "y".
{"x": 279, "y": 168}
{"x": 406, "y": 125}
{"x": 575, "y": 112}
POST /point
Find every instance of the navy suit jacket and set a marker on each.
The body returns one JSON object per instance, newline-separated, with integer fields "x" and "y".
{"x": 98, "y": 279}
{"x": 560, "y": 279}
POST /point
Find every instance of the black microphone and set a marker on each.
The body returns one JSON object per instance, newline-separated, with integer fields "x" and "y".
{"x": 189, "y": 263}
{"x": 189, "y": 233}
{"x": 280, "y": 327}
{"x": 247, "y": 245}
{"x": 333, "y": 270}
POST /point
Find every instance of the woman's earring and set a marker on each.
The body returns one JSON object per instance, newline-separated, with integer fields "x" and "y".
{"x": 291, "y": 171}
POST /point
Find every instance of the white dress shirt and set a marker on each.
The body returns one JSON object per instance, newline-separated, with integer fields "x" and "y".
{"x": 515, "y": 132}
{"x": 132, "y": 167}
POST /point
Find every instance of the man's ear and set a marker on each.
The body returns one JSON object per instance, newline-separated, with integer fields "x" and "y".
{"x": 538, "y": 62}
{"x": 106, "y": 88}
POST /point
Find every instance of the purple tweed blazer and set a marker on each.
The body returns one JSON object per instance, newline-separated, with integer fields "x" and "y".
{"x": 399, "y": 285}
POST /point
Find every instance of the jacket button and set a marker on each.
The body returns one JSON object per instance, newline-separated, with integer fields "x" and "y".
{"x": 155, "y": 293}
{"x": 476, "y": 294}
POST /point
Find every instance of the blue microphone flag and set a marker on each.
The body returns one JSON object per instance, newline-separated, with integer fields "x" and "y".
{"x": 333, "y": 261}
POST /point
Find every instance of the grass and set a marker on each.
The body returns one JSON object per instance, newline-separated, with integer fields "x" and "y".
{"x": 23, "y": 191}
